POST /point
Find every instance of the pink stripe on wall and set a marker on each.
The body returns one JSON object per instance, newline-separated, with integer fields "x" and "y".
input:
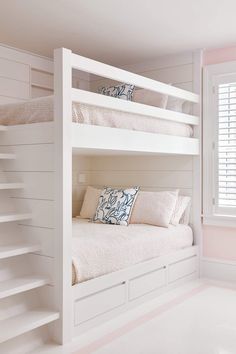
{"x": 221, "y": 55}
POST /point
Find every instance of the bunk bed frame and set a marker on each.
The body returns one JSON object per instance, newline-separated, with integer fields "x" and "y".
{"x": 45, "y": 201}
{"x": 99, "y": 299}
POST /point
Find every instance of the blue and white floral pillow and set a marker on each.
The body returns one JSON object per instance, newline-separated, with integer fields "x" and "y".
{"x": 115, "y": 205}
{"x": 123, "y": 91}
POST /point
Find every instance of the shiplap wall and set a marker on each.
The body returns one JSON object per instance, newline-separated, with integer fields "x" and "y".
{"x": 41, "y": 82}
{"x": 151, "y": 173}
{"x": 81, "y": 168}
{"x": 148, "y": 172}
{"x": 176, "y": 70}
{"x": 24, "y": 75}
{"x": 14, "y": 81}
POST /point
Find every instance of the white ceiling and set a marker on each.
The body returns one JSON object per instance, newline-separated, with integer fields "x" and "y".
{"x": 118, "y": 32}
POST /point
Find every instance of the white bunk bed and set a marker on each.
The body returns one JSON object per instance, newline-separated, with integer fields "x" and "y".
{"x": 86, "y": 304}
{"x": 101, "y": 298}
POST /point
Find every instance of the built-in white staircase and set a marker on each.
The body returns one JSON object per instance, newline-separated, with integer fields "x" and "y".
{"x": 19, "y": 285}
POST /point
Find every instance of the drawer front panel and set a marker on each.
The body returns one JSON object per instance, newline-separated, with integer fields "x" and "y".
{"x": 99, "y": 303}
{"x": 147, "y": 283}
{"x": 183, "y": 268}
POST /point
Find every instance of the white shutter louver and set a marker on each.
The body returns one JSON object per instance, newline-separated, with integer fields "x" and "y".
{"x": 226, "y": 158}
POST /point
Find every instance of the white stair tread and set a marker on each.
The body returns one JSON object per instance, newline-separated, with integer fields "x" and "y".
{"x": 17, "y": 249}
{"x": 11, "y": 185}
{"x": 7, "y": 156}
{"x": 15, "y": 326}
{"x": 3, "y": 128}
{"x": 50, "y": 348}
{"x": 7, "y": 217}
{"x": 19, "y": 285}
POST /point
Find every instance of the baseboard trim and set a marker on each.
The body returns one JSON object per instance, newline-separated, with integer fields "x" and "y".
{"x": 218, "y": 269}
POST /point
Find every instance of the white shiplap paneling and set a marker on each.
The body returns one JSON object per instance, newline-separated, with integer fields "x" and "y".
{"x": 14, "y": 70}
{"x": 81, "y": 166}
{"x": 13, "y": 88}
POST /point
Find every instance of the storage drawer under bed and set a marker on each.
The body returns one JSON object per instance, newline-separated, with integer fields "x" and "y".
{"x": 147, "y": 283}
{"x": 99, "y": 303}
{"x": 182, "y": 268}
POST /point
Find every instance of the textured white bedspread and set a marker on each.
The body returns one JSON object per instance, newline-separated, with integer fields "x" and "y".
{"x": 41, "y": 110}
{"x": 99, "y": 249}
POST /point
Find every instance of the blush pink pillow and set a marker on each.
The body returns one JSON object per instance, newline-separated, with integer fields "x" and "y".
{"x": 154, "y": 208}
{"x": 150, "y": 98}
{"x": 90, "y": 202}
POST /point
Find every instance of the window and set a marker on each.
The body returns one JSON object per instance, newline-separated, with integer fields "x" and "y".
{"x": 226, "y": 152}
{"x": 219, "y": 144}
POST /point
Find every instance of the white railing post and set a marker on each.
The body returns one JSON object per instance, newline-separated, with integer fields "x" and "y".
{"x": 63, "y": 193}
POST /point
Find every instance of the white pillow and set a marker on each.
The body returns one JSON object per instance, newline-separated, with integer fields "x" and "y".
{"x": 150, "y": 98}
{"x": 90, "y": 202}
{"x": 154, "y": 208}
{"x": 180, "y": 207}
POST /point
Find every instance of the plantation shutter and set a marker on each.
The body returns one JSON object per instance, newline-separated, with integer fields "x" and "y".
{"x": 226, "y": 157}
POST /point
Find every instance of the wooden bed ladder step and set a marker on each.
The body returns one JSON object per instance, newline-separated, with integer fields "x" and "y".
{"x": 18, "y": 249}
{"x": 25, "y": 322}
{"x": 7, "y": 156}
{"x": 3, "y": 128}
{"x": 21, "y": 284}
{"x": 11, "y": 185}
{"x": 9, "y": 217}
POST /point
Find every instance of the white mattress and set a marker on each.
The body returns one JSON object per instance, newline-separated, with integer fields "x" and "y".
{"x": 41, "y": 110}
{"x": 99, "y": 249}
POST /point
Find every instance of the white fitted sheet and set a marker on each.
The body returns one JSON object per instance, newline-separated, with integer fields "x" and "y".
{"x": 41, "y": 110}
{"x": 100, "y": 249}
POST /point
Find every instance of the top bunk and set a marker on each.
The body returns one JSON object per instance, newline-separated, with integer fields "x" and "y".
{"x": 102, "y": 124}
{"x": 120, "y": 138}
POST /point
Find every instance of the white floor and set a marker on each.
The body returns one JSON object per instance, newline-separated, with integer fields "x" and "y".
{"x": 198, "y": 318}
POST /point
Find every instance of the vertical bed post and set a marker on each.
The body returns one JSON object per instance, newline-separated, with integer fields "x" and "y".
{"x": 63, "y": 193}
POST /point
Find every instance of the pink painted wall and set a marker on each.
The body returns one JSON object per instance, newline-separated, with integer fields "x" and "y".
{"x": 221, "y": 55}
{"x": 219, "y": 242}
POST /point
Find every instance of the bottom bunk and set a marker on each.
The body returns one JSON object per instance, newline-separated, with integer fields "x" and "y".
{"x": 102, "y": 298}
{"x": 117, "y": 267}
{"x": 99, "y": 249}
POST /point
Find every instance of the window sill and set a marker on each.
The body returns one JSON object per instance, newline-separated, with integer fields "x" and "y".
{"x": 220, "y": 220}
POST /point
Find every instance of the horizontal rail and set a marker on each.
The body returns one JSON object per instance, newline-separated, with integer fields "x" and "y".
{"x": 94, "y": 67}
{"x": 99, "y": 100}
{"x": 90, "y": 139}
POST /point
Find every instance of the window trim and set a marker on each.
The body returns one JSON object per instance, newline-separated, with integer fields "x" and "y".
{"x": 212, "y": 215}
